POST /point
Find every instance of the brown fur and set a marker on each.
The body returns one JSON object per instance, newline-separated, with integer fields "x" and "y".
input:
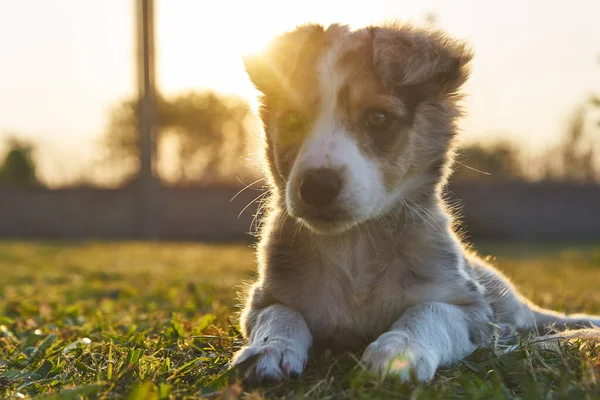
{"x": 387, "y": 274}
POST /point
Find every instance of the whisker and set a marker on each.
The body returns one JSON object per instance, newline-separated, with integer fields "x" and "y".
{"x": 298, "y": 229}
{"x": 262, "y": 204}
{"x": 246, "y": 186}
{"x": 369, "y": 234}
{"x": 252, "y": 202}
{"x": 473, "y": 169}
{"x": 428, "y": 214}
{"x": 405, "y": 217}
{"x": 414, "y": 220}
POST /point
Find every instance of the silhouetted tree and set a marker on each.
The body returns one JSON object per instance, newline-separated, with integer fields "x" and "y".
{"x": 431, "y": 19}
{"x": 574, "y": 158}
{"x": 487, "y": 163}
{"x": 210, "y": 132}
{"x": 594, "y": 101}
{"x": 18, "y": 167}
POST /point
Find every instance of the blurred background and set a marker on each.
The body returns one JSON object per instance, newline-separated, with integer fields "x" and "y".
{"x": 134, "y": 119}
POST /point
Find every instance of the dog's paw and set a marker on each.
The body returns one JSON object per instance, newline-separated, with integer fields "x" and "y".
{"x": 393, "y": 353}
{"x": 277, "y": 359}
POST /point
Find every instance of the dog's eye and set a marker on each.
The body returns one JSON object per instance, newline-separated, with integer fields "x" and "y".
{"x": 377, "y": 120}
{"x": 294, "y": 121}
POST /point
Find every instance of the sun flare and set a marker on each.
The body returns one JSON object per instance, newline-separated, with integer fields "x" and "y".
{"x": 200, "y": 48}
{"x": 185, "y": 63}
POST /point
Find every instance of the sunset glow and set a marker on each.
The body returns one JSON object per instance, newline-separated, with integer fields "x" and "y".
{"x": 71, "y": 61}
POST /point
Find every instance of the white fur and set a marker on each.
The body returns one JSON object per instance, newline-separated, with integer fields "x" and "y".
{"x": 283, "y": 339}
{"x": 329, "y": 145}
{"x": 428, "y": 302}
{"x": 332, "y": 147}
{"x": 425, "y": 337}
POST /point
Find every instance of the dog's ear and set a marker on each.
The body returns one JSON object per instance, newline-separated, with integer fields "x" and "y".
{"x": 406, "y": 56}
{"x": 271, "y": 69}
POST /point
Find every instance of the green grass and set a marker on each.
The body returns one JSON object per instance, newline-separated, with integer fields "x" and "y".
{"x": 157, "y": 321}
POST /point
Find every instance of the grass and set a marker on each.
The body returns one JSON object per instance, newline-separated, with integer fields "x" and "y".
{"x": 156, "y": 321}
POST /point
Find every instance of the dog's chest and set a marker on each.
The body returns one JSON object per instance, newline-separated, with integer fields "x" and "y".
{"x": 354, "y": 295}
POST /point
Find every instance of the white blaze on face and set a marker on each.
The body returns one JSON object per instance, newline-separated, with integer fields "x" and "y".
{"x": 330, "y": 146}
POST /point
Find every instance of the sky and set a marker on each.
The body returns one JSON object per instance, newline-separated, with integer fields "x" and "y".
{"x": 65, "y": 63}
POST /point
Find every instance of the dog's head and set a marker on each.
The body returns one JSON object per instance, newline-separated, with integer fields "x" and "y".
{"x": 357, "y": 121}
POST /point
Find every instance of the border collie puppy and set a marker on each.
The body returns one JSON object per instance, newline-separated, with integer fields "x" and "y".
{"x": 357, "y": 249}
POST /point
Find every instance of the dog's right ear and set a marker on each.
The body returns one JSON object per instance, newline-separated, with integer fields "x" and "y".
{"x": 407, "y": 56}
{"x": 272, "y": 69}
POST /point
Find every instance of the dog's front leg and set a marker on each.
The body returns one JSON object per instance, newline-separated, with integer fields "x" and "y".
{"x": 426, "y": 337}
{"x": 280, "y": 337}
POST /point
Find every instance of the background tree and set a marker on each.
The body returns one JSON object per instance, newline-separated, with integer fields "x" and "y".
{"x": 208, "y": 134}
{"x": 574, "y": 159}
{"x": 487, "y": 163}
{"x": 594, "y": 102}
{"x": 18, "y": 167}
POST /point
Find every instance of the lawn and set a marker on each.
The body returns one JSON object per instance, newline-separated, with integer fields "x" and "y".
{"x": 158, "y": 321}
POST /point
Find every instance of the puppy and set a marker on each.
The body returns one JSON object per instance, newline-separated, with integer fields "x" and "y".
{"x": 357, "y": 247}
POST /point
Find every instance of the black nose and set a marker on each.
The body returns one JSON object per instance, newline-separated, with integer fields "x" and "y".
{"x": 320, "y": 187}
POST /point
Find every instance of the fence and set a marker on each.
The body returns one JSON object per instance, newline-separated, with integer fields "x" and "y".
{"x": 538, "y": 212}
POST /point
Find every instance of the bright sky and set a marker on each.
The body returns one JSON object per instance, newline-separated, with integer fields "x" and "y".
{"x": 64, "y": 63}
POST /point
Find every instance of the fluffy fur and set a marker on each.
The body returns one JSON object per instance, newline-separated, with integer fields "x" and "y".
{"x": 376, "y": 264}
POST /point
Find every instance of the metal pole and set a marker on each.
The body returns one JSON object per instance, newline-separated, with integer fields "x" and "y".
{"x": 147, "y": 205}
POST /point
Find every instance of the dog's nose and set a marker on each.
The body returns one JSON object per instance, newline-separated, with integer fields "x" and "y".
{"x": 320, "y": 187}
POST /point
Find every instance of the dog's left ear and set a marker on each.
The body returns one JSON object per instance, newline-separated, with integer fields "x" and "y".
{"x": 406, "y": 56}
{"x": 273, "y": 68}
